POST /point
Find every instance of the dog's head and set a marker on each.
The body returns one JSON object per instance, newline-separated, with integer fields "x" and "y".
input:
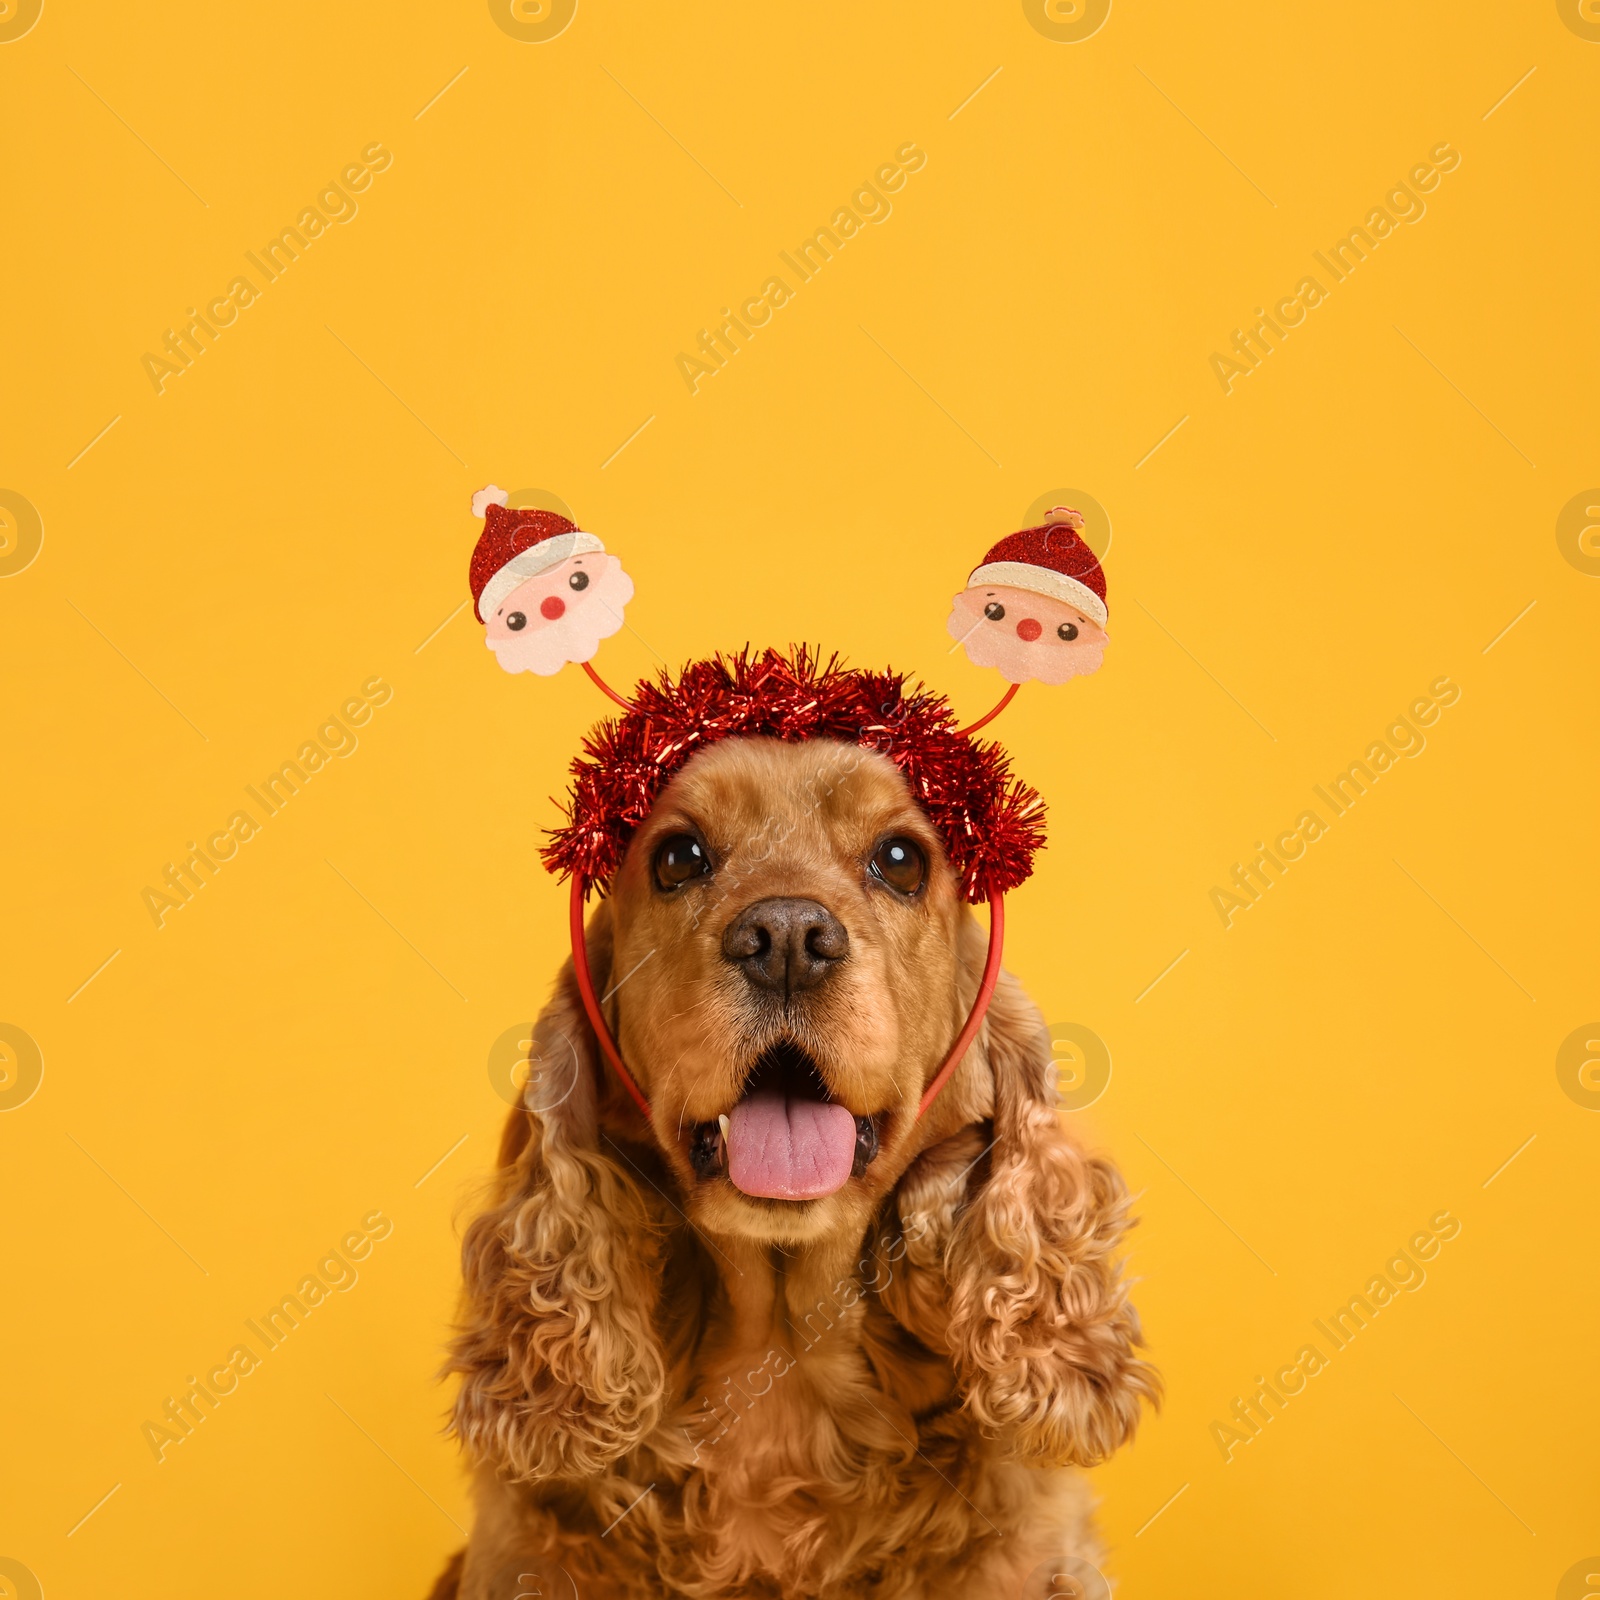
{"x": 785, "y": 960}
{"x": 785, "y": 938}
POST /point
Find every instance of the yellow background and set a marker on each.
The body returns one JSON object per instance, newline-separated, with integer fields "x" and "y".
{"x": 1293, "y": 566}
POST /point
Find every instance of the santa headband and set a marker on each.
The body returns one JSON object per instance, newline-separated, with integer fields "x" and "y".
{"x": 548, "y": 593}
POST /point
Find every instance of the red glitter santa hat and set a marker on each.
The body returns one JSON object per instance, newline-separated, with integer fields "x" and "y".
{"x": 1051, "y": 560}
{"x": 517, "y": 545}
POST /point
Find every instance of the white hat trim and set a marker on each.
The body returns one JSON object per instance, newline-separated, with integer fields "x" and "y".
{"x": 530, "y": 563}
{"x": 1041, "y": 580}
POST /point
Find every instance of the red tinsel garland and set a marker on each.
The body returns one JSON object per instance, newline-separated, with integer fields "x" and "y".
{"x": 991, "y": 822}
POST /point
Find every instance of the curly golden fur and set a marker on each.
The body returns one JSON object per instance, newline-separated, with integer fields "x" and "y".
{"x": 670, "y": 1388}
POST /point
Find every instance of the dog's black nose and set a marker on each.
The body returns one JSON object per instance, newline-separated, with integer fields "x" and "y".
{"x": 786, "y": 945}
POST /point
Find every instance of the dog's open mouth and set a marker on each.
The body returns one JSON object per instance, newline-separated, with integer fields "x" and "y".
{"x": 785, "y": 1139}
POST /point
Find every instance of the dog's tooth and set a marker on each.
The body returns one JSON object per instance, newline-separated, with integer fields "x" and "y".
{"x": 725, "y": 1125}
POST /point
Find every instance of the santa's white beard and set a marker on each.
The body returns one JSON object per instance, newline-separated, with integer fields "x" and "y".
{"x": 545, "y": 647}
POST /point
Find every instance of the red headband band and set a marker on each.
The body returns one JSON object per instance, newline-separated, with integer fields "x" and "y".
{"x": 548, "y": 593}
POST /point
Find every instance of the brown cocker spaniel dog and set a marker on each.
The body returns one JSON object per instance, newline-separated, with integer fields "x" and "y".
{"x": 788, "y": 1340}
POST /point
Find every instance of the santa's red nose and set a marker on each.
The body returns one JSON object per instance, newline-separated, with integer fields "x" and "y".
{"x": 552, "y": 606}
{"x": 1028, "y": 629}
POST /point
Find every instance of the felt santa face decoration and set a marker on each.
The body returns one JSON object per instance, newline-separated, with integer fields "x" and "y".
{"x": 546, "y": 592}
{"x": 1036, "y": 608}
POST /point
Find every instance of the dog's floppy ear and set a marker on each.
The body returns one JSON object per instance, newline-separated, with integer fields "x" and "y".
{"x": 1040, "y": 1328}
{"x": 562, "y": 1371}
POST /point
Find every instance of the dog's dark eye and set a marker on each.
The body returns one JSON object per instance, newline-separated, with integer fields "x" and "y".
{"x": 1067, "y": 630}
{"x": 516, "y": 622}
{"x": 994, "y": 611}
{"x": 679, "y": 859}
{"x": 578, "y": 580}
{"x": 901, "y": 864}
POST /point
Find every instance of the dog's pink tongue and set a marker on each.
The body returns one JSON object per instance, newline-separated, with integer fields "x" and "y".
{"x": 783, "y": 1149}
